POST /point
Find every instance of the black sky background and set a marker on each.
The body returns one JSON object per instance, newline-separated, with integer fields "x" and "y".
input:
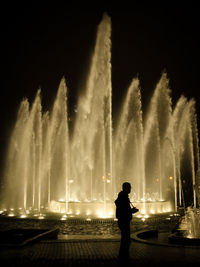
{"x": 41, "y": 43}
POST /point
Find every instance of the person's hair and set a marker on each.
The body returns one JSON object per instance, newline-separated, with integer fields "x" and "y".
{"x": 126, "y": 185}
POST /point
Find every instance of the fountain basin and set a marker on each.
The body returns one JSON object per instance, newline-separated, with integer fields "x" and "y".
{"x": 106, "y": 210}
{"x": 22, "y": 237}
{"x": 179, "y": 239}
{"x": 164, "y": 238}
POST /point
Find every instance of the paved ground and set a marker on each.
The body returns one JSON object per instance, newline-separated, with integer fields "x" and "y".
{"x": 87, "y": 251}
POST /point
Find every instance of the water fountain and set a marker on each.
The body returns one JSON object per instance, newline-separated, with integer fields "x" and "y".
{"x": 79, "y": 171}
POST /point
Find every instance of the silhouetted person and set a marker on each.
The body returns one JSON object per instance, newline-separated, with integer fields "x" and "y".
{"x": 124, "y": 215}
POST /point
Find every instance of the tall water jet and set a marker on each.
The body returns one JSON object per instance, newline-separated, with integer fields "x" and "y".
{"x": 129, "y": 146}
{"x": 57, "y": 139}
{"x": 23, "y": 167}
{"x": 92, "y": 138}
{"x": 156, "y": 126}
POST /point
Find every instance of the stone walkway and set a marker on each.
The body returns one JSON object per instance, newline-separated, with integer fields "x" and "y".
{"x": 93, "y": 251}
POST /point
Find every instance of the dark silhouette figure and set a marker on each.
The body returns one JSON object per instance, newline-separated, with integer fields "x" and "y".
{"x": 124, "y": 213}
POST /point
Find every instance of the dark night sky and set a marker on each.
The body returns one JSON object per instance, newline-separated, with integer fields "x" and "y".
{"x": 42, "y": 43}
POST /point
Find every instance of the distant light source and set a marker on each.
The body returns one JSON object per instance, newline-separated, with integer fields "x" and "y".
{"x": 23, "y": 216}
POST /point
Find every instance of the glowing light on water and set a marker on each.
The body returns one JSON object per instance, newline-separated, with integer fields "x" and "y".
{"x": 88, "y": 212}
{"x": 69, "y": 212}
{"x": 64, "y": 217}
{"x": 190, "y": 222}
{"x": 41, "y": 216}
{"x": 23, "y": 216}
{"x": 104, "y": 215}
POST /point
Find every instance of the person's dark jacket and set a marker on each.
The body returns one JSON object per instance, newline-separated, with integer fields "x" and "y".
{"x": 123, "y": 208}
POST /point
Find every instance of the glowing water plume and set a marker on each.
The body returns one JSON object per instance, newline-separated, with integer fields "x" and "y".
{"x": 57, "y": 147}
{"x": 24, "y": 148}
{"x": 190, "y": 223}
{"x": 155, "y": 132}
{"x": 92, "y": 136}
{"x": 32, "y": 152}
{"x": 129, "y": 146}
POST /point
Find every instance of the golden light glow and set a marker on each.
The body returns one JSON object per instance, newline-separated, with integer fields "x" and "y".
{"x": 23, "y": 216}
{"x": 102, "y": 214}
{"x": 64, "y": 217}
{"x": 100, "y": 210}
{"x": 69, "y": 212}
{"x": 88, "y": 212}
{"x": 152, "y": 211}
{"x": 41, "y": 216}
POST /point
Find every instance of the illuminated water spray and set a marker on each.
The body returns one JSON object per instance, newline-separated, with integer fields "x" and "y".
{"x": 80, "y": 172}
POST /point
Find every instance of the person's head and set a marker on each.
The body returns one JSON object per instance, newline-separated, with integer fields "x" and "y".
{"x": 126, "y": 187}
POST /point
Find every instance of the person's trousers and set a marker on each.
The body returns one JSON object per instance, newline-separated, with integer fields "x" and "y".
{"x": 125, "y": 238}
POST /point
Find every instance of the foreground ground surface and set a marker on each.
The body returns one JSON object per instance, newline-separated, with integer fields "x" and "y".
{"x": 95, "y": 244}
